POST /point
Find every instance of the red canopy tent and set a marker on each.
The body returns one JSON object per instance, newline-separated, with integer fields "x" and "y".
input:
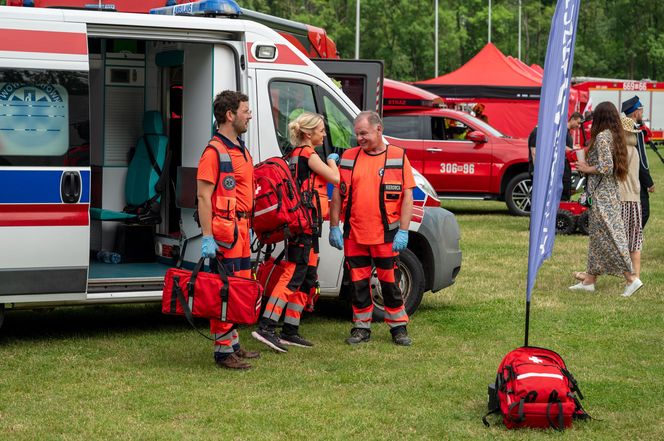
{"x": 509, "y": 89}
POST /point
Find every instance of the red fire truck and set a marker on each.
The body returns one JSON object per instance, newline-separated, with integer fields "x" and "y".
{"x": 650, "y": 93}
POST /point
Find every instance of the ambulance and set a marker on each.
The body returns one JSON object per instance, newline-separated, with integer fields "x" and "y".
{"x": 94, "y": 104}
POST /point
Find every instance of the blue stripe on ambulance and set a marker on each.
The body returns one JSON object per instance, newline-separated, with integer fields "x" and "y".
{"x": 37, "y": 186}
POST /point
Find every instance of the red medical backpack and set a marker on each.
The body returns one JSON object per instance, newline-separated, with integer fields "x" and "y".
{"x": 534, "y": 389}
{"x": 278, "y": 209}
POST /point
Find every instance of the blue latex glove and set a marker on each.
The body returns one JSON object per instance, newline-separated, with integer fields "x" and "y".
{"x": 336, "y": 238}
{"x": 400, "y": 240}
{"x": 208, "y": 247}
{"x": 334, "y": 157}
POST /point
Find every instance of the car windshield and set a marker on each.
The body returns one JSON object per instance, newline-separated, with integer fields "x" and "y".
{"x": 486, "y": 127}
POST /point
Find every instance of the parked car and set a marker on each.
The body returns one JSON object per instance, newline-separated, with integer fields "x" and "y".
{"x": 463, "y": 157}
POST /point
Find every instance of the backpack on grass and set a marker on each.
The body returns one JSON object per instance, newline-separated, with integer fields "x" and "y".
{"x": 534, "y": 389}
{"x": 279, "y": 212}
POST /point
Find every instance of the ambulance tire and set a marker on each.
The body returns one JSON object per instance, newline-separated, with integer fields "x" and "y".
{"x": 412, "y": 285}
{"x": 518, "y": 194}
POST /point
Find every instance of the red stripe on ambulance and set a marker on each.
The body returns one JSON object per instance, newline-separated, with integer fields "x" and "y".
{"x": 19, "y": 40}
{"x": 44, "y": 215}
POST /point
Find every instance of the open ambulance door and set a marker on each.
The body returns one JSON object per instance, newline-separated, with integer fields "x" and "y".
{"x": 361, "y": 80}
{"x": 44, "y": 161}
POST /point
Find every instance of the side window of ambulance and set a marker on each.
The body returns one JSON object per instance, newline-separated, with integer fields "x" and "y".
{"x": 288, "y": 100}
{"x": 342, "y": 133}
{"x": 403, "y": 127}
{"x": 44, "y": 118}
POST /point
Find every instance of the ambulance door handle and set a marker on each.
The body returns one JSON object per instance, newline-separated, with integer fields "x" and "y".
{"x": 434, "y": 150}
{"x": 70, "y": 188}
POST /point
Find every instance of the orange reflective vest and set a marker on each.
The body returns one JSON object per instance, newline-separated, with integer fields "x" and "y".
{"x": 388, "y": 195}
{"x": 306, "y": 179}
{"x": 224, "y": 199}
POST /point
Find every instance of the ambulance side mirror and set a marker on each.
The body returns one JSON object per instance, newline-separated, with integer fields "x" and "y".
{"x": 477, "y": 136}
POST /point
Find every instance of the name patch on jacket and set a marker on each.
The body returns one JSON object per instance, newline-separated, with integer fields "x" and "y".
{"x": 392, "y": 187}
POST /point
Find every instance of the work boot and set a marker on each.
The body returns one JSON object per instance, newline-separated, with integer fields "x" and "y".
{"x": 269, "y": 337}
{"x": 295, "y": 340}
{"x": 242, "y": 353}
{"x": 232, "y": 361}
{"x": 400, "y": 336}
{"x": 358, "y": 335}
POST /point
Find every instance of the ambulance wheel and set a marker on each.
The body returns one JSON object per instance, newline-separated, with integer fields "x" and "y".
{"x": 582, "y": 222}
{"x": 565, "y": 222}
{"x": 518, "y": 193}
{"x": 411, "y": 283}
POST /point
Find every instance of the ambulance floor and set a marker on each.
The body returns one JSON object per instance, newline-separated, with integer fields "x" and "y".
{"x": 99, "y": 270}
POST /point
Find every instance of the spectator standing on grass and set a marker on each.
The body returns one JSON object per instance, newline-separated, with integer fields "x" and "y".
{"x": 225, "y": 187}
{"x": 300, "y": 268}
{"x": 607, "y": 164}
{"x": 633, "y": 109}
{"x": 375, "y": 197}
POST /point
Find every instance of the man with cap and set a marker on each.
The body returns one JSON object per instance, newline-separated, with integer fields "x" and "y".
{"x": 633, "y": 109}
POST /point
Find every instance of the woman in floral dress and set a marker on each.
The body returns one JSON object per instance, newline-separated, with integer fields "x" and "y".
{"x": 608, "y": 251}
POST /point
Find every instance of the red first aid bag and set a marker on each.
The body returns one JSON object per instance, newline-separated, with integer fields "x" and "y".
{"x": 213, "y": 296}
{"x": 278, "y": 209}
{"x": 534, "y": 389}
{"x": 269, "y": 271}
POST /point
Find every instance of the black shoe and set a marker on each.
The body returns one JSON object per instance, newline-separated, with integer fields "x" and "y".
{"x": 358, "y": 335}
{"x": 294, "y": 340}
{"x": 270, "y": 339}
{"x": 400, "y": 336}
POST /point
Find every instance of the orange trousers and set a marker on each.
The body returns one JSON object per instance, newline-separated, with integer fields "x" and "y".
{"x": 358, "y": 260}
{"x": 290, "y": 293}
{"x": 236, "y": 261}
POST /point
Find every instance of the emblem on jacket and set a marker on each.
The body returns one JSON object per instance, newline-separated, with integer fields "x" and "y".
{"x": 229, "y": 182}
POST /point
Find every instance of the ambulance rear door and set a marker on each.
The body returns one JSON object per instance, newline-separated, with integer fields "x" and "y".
{"x": 361, "y": 80}
{"x": 44, "y": 159}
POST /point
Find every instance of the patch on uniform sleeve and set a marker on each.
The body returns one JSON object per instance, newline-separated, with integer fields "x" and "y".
{"x": 228, "y": 182}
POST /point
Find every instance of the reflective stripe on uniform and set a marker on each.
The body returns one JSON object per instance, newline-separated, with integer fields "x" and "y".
{"x": 347, "y": 163}
{"x": 394, "y": 162}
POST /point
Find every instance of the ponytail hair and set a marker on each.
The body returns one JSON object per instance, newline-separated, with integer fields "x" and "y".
{"x": 306, "y": 122}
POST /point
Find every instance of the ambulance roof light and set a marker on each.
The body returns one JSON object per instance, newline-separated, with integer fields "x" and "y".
{"x": 205, "y": 8}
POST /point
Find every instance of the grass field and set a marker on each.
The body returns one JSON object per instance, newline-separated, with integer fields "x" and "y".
{"x": 127, "y": 372}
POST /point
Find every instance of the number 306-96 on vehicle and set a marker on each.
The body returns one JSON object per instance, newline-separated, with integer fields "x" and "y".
{"x": 454, "y": 168}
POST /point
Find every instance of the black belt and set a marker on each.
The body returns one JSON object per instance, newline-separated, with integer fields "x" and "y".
{"x": 242, "y": 214}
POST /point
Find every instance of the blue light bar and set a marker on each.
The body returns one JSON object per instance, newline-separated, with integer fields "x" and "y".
{"x": 204, "y": 8}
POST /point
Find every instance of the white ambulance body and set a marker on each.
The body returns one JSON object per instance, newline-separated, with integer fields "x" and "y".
{"x": 74, "y": 87}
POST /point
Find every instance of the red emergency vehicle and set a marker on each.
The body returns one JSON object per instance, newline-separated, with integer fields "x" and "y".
{"x": 650, "y": 93}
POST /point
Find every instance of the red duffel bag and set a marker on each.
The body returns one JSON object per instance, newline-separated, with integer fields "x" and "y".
{"x": 208, "y": 295}
{"x": 269, "y": 271}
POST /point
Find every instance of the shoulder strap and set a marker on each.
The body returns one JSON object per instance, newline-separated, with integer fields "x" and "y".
{"x": 153, "y": 161}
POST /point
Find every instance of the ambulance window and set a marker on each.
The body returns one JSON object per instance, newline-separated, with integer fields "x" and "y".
{"x": 404, "y": 127}
{"x": 342, "y": 133}
{"x": 44, "y": 118}
{"x": 288, "y": 100}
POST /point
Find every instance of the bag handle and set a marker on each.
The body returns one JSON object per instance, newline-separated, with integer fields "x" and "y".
{"x": 553, "y": 399}
{"x": 185, "y": 307}
{"x": 225, "y": 288}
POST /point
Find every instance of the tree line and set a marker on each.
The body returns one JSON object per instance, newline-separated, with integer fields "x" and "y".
{"x": 615, "y": 38}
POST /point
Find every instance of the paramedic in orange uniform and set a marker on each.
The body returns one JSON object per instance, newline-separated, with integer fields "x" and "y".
{"x": 300, "y": 266}
{"x": 225, "y": 199}
{"x": 375, "y": 199}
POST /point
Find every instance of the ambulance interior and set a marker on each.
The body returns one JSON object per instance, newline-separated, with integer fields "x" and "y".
{"x": 135, "y": 87}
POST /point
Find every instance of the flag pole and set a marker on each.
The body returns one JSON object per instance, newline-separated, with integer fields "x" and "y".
{"x": 527, "y": 321}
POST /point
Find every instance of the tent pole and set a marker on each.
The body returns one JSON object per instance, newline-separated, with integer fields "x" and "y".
{"x": 527, "y": 321}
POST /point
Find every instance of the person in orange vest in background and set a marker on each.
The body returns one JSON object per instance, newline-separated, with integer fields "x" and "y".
{"x": 300, "y": 274}
{"x": 225, "y": 181}
{"x": 375, "y": 197}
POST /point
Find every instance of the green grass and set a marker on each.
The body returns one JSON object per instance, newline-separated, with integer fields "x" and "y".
{"x": 128, "y": 372}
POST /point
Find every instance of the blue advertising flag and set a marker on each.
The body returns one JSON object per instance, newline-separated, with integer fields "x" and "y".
{"x": 551, "y": 135}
